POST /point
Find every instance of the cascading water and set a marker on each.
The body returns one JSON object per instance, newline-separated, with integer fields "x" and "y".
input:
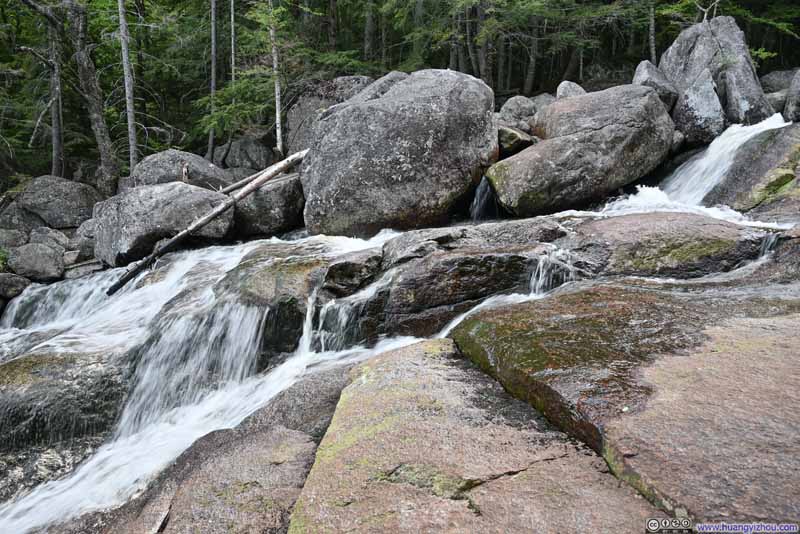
{"x": 553, "y": 269}
{"x": 195, "y": 372}
{"x": 484, "y": 205}
{"x": 684, "y": 190}
{"x": 693, "y": 180}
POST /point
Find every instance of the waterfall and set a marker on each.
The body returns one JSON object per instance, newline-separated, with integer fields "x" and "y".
{"x": 693, "y": 180}
{"x": 195, "y": 371}
{"x": 553, "y": 269}
{"x": 484, "y": 205}
{"x": 684, "y": 190}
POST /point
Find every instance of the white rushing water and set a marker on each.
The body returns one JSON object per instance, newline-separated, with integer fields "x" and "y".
{"x": 684, "y": 190}
{"x": 195, "y": 375}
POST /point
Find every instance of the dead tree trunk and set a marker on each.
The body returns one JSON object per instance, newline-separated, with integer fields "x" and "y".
{"x": 652, "y": 21}
{"x": 277, "y": 80}
{"x": 127, "y": 71}
{"x": 213, "y": 85}
{"x": 369, "y": 31}
{"x": 56, "y": 117}
{"x": 257, "y": 181}
{"x": 332, "y": 24}
{"x": 108, "y": 173}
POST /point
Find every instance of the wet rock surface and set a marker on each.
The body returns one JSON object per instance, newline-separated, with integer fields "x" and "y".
{"x": 605, "y": 362}
{"x": 244, "y": 479}
{"x": 662, "y": 244}
{"x": 48, "y": 395}
{"x": 422, "y": 442}
{"x": 763, "y": 177}
{"x": 384, "y": 152}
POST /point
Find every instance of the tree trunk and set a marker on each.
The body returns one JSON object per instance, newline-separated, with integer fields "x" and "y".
{"x": 108, "y": 172}
{"x": 213, "y": 88}
{"x": 501, "y": 63}
{"x": 277, "y": 79}
{"x": 138, "y": 72}
{"x": 453, "y": 63}
{"x": 485, "y": 55}
{"x": 572, "y": 65}
{"x": 127, "y": 72}
{"x": 419, "y": 17}
{"x": 233, "y": 40}
{"x": 530, "y": 74}
{"x": 369, "y": 31}
{"x": 384, "y": 43}
{"x": 332, "y": 24}
{"x": 473, "y": 56}
{"x": 652, "y": 17}
{"x": 256, "y": 182}
{"x": 56, "y": 118}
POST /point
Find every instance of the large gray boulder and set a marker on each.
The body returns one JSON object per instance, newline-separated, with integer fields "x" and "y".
{"x": 719, "y": 46}
{"x": 11, "y": 285}
{"x": 791, "y": 110}
{"x": 83, "y": 240}
{"x": 177, "y": 166}
{"x": 567, "y": 89}
{"x": 698, "y": 113}
{"x": 378, "y": 88}
{"x": 58, "y": 202}
{"x": 778, "y": 80}
{"x": 130, "y": 224}
{"x": 516, "y": 113}
{"x": 593, "y": 145}
{"x": 302, "y": 116}
{"x": 12, "y": 238}
{"x": 542, "y": 101}
{"x": 403, "y": 160}
{"x": 778, "y": 99}
{"x": 14, "y": 217}
{"x": 274, "y": 208}
{"x": 247, "y": 151}
{"x": 39, "y": 262}
{"x": 649, "y": 75}
{"x": 50, "y": 237}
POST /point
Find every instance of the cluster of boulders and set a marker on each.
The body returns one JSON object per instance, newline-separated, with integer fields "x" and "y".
{"x": 407, "y": 151}
{"x": 45, "y": 233}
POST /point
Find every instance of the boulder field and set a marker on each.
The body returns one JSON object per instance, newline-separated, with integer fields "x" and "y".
{"x": 551, "y": 371}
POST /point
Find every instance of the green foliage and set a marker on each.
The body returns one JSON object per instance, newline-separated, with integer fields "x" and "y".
{"x": 760, "y": 55}
{"x": 3, "y": 260}
{"x": 171, "y": 48}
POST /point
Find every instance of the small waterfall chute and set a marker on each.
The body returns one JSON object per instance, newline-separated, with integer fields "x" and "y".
{"x": 484, "y": 205}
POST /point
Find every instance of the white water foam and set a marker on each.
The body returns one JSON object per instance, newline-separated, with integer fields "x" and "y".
{"x": 684, "y": 190}
{"x": 194, "y": 376}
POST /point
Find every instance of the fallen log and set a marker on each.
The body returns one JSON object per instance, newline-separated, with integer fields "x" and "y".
{"x": 255, "y": 182}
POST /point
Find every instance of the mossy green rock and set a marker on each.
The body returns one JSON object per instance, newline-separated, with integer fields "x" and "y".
{"x": 583, "y": 357}
{"x": 665, "y": 244}
{"x": 421, "y": 441}
{"x": 762, "y": 178}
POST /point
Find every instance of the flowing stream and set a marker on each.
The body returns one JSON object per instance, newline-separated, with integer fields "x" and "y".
{"x": 197, "y": 370}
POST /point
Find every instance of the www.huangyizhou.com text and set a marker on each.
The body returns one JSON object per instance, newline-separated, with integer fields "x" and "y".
{"x": 748, "y": 528}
